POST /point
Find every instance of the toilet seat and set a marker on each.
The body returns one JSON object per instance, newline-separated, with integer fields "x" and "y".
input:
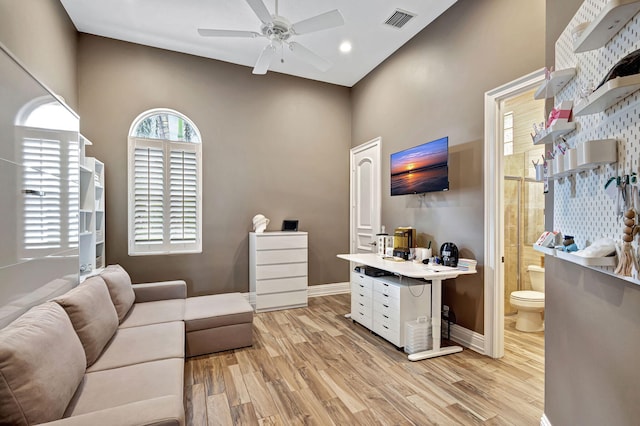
{"x": 528, "y": 296}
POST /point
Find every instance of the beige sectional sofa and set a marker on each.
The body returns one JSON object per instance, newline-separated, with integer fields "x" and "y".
{"x": 111, "y": 353}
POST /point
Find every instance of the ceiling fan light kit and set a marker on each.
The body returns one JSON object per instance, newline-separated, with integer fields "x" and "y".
{"x": 278, "y": 30}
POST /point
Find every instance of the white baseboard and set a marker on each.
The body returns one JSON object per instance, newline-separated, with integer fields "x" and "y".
{"x": 467, "y": 338}
{"x": 544, "y": 421}
{"x": 328, "y": 289}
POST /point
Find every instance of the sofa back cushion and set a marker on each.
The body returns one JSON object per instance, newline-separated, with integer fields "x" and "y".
{"x": 120, "y": 290}
{"x": 92, "y": 314}
{"x": 41, "y": 365}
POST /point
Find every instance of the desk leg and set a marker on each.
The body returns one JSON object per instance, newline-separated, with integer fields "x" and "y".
{"x": 436, "y": 321}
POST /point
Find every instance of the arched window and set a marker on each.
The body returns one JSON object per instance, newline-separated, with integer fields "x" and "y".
{"x": 165, "y": 186}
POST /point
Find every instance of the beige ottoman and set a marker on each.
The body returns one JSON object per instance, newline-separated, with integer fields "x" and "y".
{"x": 217, "y": 323}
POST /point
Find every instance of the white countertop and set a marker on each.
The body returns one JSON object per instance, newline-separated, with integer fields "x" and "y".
{"x": 405, "y": 268}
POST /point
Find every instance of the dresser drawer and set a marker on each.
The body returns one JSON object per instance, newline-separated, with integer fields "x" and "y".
{"x": 287, "y": 270}
{"x": 361, "y": 279}
{"x": 274, "y": 301}
{"x": 269, "y": 257}
{"x": 279, "y": 285}
{"x": 271, "y": 242}
{"x": 386, "y": 299}
{"x": 388, "y": 332}
{"x": 386, "y": 288}
{"x": 362, "y": 317}
{"x": 361, "y": 289}
{"x": 358, "y": 301}
{"x": 389, "y": 311}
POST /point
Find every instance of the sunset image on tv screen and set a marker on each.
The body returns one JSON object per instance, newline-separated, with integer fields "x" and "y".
{"x": 421, "y": 169}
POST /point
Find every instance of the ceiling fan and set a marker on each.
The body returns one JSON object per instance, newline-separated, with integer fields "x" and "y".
{"x": 279, "y": 31}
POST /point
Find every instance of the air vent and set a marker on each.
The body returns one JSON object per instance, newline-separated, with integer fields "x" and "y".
{"x": 399, "y": 18}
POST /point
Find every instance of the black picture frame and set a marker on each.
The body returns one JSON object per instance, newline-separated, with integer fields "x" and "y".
{"x": 290, "y": 225}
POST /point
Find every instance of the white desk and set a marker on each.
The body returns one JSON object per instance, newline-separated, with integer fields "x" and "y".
{"x": 435, "y": 274}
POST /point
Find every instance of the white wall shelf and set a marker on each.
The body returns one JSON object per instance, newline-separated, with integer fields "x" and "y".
{"x": 613, "y": 17}
{"x": 587, "y": 261}
{"x": 609, "y": 94}
{"x": 546, "y": 250}
{"x": 554, "y": 132}
{"x": 91, "y": 213}
{"x": 558, "y": 79}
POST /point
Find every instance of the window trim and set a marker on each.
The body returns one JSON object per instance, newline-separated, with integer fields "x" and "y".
{"x": 166, "y": 247}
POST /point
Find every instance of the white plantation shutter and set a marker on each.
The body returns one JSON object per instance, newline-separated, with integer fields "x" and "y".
{"x": 164, "y": 185}
{"x": 184, "y": 196}
{"x": 148, "y": 194}
{"x": 42, "y": 199}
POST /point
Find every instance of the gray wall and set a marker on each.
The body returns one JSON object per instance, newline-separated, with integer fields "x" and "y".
{"x": 592, "y": 342}
{"x": 276, "y": 145}
{"x": 433, "y": 87}
{"x": 41, "y": 35}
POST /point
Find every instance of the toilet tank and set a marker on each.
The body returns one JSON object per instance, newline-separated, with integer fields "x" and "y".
{"x": 536, "y": 274}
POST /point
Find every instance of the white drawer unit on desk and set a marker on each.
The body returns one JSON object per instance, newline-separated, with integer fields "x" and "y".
{"x": 385, "y": 304}
{"x": 278, "y": 270}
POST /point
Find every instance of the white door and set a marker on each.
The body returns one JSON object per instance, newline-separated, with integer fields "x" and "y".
{"x": 365, "y": 196}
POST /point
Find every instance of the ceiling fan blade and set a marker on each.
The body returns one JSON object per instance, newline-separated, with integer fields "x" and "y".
{"x": 227, "y": 33}
{"x": 319, "y": 22}
{"x": 262, "y": 65}
{"x": 260, "y": 10}
{"x": 306, "y": 55}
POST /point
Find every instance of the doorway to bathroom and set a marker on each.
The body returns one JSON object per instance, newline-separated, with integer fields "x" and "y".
{"x": 523, "y": 195}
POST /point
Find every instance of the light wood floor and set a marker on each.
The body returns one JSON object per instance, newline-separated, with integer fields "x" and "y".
{"x": 313, "y": 366}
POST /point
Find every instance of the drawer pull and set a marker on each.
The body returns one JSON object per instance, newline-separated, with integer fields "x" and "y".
{"x": 385, "y": 327}
{"x": 385, "y": 295}
{"x": 386, "y": 306}
{"x": 385, "y": 316}
{"x": 385, "y": 284}
{"x": 361, "y": 304}
{"x": 361, "y": 295}
{"x": 361, "y": 314}
{"x": 361, "y": 286}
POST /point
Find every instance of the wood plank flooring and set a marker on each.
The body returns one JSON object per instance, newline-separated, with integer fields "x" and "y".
{"x": 313, "y": 366}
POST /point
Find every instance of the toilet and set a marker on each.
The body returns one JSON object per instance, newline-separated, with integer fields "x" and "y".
{"x": 530, "y": 303}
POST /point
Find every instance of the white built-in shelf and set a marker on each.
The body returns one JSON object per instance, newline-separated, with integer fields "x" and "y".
{"x": 587, "y": 261}
{"x": 558, "y": 79}
{"x": 84, "y": 169}
{"x": 613, "y": 17}
{"x": 85, "y": 234}
{"x": 609, "y": 94}
{"x": 550, "y": 134}
{"x": 546, "y": 250}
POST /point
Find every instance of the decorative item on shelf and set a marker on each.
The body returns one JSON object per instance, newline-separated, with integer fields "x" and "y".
{"x": 547, "y": 239}
{"x": 568, "y": 244}
{"x": 560, "y": 114}
{"x": 625, "y": 251}
{"x": 260, "y": 223}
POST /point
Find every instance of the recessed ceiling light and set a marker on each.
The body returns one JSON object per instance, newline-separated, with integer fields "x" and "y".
{"x": 345, "y": 47}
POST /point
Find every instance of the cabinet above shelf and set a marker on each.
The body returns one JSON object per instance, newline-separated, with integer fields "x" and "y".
{"x": 609, "y": 94}
{"x": 558, "y": 79}
{"x": 613, "y": 17}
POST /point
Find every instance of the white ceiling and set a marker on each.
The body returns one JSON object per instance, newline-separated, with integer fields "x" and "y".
{"x": 173, "y": 24}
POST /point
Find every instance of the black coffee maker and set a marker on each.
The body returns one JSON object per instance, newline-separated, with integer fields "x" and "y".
{"x": 449, "y": 254}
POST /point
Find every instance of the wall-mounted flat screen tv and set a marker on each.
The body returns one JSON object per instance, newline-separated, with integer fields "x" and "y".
{"x": 420, "y": 169}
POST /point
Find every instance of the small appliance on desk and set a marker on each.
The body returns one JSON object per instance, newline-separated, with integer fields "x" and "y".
{"x": 449, "y": 254}
{"x": 404, "y": 241}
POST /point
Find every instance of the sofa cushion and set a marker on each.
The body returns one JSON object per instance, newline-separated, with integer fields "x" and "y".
{"x": 92, "y": 314}
{"x": 120, "y": 290}
{"x": 154, "y": 313}
{"x": 112, "y": 388}
{"x": 218, "y": 310}
{"x": 41, "y": 365}
{"x": 142, "y": 344}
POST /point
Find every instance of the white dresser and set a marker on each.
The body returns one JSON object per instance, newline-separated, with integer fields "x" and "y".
{"x": 278, "y": 270}
{"x": 385, "y": 304}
